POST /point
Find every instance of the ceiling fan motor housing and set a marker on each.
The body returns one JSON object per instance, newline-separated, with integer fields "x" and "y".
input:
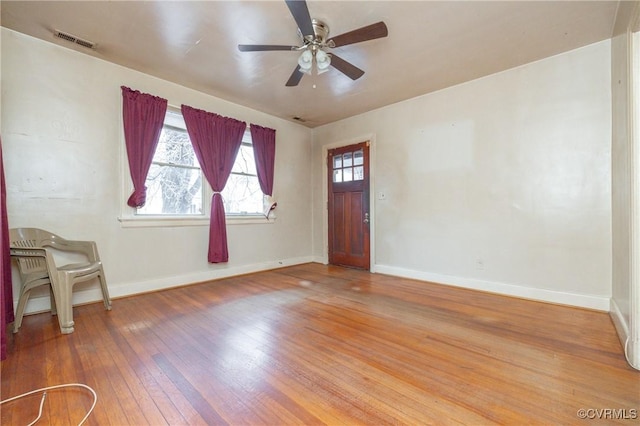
{"x": 319, "y": 36}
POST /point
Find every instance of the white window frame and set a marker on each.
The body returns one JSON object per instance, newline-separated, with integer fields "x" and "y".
{"x": 129, "y": 219}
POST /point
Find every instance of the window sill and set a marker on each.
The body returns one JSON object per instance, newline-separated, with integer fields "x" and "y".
{"x": 178, "y": 221}
{"x": 250, "y": 219}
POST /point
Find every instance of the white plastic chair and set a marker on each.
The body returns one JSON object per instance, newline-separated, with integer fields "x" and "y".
{"x": 33, "y": 248}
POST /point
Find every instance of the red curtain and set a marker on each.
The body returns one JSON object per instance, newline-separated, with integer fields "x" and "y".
{"x": 143, "y": 117}
{"x": 264, "y": 149}
{"x": 216, "y": 141}
{"x": 6, "y": 289}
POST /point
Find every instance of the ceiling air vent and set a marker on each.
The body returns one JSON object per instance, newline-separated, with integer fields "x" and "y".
{"x": 73, "y": 39}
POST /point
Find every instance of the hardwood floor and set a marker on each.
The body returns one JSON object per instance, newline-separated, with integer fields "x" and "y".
{"x": 315, "y": 344}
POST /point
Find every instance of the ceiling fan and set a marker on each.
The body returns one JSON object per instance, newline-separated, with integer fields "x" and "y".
{"x": 314, "y": 35}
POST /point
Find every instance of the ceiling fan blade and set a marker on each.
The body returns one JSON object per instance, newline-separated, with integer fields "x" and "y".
{"x": 300, "y": 12}
{"x": 370, "y": 32}
{"x": 263, "y": 47}
{"x": 295, "y": 78}
{"x": 345, "y": 67}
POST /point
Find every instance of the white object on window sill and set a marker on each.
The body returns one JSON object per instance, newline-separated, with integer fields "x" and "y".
{"x": 269, "y": 203}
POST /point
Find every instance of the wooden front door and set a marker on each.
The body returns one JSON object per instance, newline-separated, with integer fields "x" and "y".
{"x": 349, "y": 206}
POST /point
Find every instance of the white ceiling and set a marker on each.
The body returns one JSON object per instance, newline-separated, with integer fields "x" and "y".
{"x": 431, "y": 45}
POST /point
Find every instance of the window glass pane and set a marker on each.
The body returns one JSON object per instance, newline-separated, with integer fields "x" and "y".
{"x": 358, "y": 158}
{"x": 348, "y": 174}
{"x": 358, "y": 173}
{"x": 174, "y": 183}
{"x": 337, "y": 175}
{"x": 346, "y": 159}
{"x": 242, "y": 195}
{"x": 245, "y": 162}
{"x": 173, "y": 190}
{"x": 337, "y": 162}
{"x": 174, "y": 147}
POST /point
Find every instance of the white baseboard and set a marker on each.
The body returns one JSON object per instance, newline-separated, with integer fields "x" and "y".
{"x": 630, "y": 346}
{"x": 320, "y": 259}
{"x": 622, "y": 328}
{"x": 600, "y": 303}
{"x": 43, "y": 303}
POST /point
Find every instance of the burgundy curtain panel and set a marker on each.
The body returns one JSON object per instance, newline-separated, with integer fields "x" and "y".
{"x": 216, "y": 141}
{"x": 264, "y": 149}
{"x": 6, "y": 289}
{"x": 143, "y": 117}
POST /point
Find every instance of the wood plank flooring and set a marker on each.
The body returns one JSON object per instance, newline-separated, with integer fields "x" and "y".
{"x": 315, "y": 344}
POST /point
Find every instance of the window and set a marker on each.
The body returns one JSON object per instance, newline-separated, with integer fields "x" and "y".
{"x": 349, "y": 166}
{"x": 175, "y": 182}
{"x": 242, "y": 194}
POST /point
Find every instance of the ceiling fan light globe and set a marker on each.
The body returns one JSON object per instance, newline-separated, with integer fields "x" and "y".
{"x": 323, "y": 66}
{"x": 322, "y": 60}
{"x": 306, "y": 60}
{"x": 306, "y": 68}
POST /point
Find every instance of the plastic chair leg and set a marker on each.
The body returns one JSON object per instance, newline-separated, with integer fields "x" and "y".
{"x": 65, "y": 305}
{"x": 105, "y": 291}
{"x": 54, "y": 308}
{"x": 22, "y": 303}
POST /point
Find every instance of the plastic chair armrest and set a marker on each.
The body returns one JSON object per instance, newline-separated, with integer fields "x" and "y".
{"x": 88, "y": 248}
{"x": 27, "y": 252}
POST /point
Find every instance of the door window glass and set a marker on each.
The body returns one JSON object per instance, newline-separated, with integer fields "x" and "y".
{"x": 348, "y": 167}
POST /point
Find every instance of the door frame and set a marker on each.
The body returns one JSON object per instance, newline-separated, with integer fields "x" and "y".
{"x": 325, "y": 195}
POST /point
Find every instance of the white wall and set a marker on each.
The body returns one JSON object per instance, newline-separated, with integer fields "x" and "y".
{"x": 501, "y": 184}
{"x": 63, "y": 152}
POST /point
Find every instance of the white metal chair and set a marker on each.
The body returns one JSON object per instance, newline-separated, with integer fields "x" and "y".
{"x": 33, "y": 249}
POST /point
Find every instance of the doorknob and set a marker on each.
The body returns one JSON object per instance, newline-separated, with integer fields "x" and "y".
{"x": 366, "y": 218}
